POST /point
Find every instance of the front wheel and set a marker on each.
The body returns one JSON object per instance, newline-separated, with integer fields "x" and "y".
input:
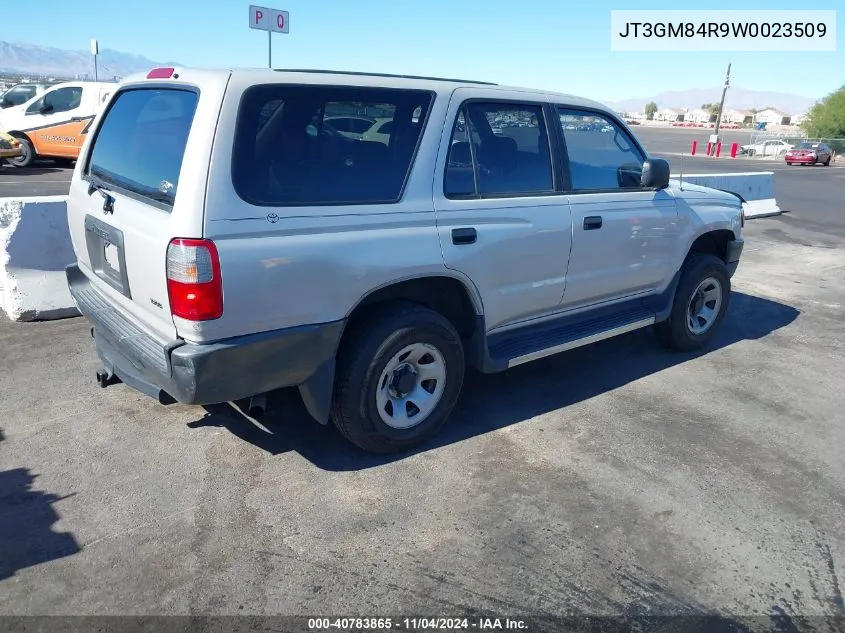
{"x": 399, "y": 375}
{"x": 699, "y": 306}
{"x": 26, "y": 157}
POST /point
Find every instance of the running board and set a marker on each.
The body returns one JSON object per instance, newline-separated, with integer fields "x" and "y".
{"x": 510, "y": 349}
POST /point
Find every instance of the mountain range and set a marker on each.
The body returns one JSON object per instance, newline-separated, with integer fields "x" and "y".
{"x": 736, "y": 98}
{"x": 64, "y": 64}
{"x": 60, "y": 63}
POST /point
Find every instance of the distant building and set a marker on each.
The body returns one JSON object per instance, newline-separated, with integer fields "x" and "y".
{"x": 772, "y": 116}
{"x": 669, "y": 114}
{"x": 798, "y": 119}
{"x": 697, "y": 116}
{"x": 738, "y": 116}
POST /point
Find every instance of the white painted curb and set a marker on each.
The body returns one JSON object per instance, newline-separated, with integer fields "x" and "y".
{"x": 757, "y": 188}
{"x": 35, "y": 248}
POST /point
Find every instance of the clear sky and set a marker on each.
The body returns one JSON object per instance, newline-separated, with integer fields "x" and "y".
{"x": 556, "y": 44}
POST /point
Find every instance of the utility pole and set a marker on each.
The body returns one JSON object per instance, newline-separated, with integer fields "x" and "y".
{"x": 95, "y": 49}
{"x": 722, "y": 102}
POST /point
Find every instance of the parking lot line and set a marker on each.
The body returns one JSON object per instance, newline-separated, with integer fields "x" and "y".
{"x": 31, "y": 182}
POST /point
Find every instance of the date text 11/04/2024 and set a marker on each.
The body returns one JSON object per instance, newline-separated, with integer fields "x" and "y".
{"x": 418, "y": 624}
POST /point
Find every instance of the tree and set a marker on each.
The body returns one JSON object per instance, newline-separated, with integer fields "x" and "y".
{"x": 650, "y": 110}
{"x": 826, "y": 119}
{"x": 712, "y": 108}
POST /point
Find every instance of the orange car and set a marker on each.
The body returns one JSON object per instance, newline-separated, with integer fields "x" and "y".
{"x": 55, "y": 123}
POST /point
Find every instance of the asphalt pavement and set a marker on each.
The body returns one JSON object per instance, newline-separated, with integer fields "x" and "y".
{"x": 614, "y": 479}
{"x": 42, "y": 179}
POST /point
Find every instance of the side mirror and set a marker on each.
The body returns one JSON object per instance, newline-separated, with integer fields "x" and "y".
{"x": 45, "y": 108}
{"x": 655, "y": 174}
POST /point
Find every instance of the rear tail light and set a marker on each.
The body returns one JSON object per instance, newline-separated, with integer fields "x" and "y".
{"x": 194, "y": 284}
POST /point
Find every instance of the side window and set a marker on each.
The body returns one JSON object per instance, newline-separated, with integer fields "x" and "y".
{"x": 35, "y": 106}
{"x": 60, "y": 100}
{"x": 499, "y": 149}
{"x": 601, "y": 154}
{"x": 298, "y": 145}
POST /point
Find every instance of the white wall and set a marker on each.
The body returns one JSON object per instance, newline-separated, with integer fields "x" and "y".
{"x": 35, "y": 248}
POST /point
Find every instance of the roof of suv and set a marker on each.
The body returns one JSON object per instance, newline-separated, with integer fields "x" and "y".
{"x": 436, "y": 84}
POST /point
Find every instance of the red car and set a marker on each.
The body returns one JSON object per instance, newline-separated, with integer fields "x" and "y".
{"x": 809, "y": 154}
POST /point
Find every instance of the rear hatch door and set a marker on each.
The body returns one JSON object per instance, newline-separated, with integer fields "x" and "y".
{"x": 139, "y": 183}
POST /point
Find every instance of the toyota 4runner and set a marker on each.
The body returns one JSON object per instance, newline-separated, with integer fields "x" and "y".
{"x": 236, "y": 235}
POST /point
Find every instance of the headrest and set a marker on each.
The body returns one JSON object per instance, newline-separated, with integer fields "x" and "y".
{"x": 498, "y": 151}
{"x": 460, "y": 154}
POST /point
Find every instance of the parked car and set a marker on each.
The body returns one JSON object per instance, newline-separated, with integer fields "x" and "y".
{"x": 21, "y": 93}
{"x": 771, "y": 147}
{"x": 809, "y": 154}
{"x": 55, "y": 124}
{"x": 223, "y": 252}
{"x": 10, "y": 147}
{"x": 632, "y": 122}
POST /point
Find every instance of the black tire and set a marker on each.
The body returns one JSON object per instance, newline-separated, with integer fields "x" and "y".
{"x": 64, "y": 162}
{"x": 366, "y": 349}
{"x": 827, "y": 162}
{"x": 674, "y": 333}
{"x": 27, "y": 154}
{"x": 788, "y": 163}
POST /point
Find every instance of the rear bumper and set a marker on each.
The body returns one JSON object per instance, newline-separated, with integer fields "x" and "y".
{"x": 201, "y": 374}
{"x": 734, "y": 252}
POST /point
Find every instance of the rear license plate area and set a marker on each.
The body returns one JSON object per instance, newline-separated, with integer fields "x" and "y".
{"x": 106, "y": 254}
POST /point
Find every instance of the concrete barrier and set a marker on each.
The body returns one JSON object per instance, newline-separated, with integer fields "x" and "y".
{"x": 35, "y": 247}
{"x": 756, "y": 188}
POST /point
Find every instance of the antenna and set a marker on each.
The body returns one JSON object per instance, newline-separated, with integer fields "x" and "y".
{"x": 681, "y": 179}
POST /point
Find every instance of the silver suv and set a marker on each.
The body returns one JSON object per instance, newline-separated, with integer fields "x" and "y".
{"x": 230, "y": 241}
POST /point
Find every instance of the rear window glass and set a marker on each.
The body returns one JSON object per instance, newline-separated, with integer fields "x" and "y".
{"x": 321, "y": 145}
{"x": 140, "y": 145}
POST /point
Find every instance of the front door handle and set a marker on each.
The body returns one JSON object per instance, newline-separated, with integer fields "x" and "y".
{"x": 466, "y": 235}
{"x": 592, "y": 222}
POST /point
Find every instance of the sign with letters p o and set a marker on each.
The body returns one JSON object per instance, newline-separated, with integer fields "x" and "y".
{"x": 266, "y": 19}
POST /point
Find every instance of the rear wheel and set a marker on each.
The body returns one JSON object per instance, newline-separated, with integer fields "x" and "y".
{"x": 827, "y": 162}
{"x": 27, "y": 154}
{"x": 700, "y": 304}
{"x": 788, "y": 163}
{"x": 399, "y": 375}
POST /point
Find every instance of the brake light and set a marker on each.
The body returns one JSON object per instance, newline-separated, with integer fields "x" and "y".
{"x": 161, "y": 73}
{"x": 194, "y": 284}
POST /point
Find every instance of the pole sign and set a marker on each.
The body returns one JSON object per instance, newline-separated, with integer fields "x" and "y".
{"x": 265, "y": 19}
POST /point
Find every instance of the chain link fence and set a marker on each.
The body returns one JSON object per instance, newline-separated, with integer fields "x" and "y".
{"x": 773, "y": 144}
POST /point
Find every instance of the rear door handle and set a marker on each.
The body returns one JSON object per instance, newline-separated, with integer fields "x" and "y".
{"x": 466, "y": 235}
{"x": 592, "y": 222}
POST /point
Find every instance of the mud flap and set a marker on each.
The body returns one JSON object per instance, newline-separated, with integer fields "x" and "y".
{"x": 317, "y": 392}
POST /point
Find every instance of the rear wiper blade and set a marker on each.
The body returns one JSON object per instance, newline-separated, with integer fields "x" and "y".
{"x": 94, "y": 185}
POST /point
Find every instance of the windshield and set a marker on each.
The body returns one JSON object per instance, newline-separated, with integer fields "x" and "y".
{"x": 808, "y": 146}
{"x": 140, "y": 145}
